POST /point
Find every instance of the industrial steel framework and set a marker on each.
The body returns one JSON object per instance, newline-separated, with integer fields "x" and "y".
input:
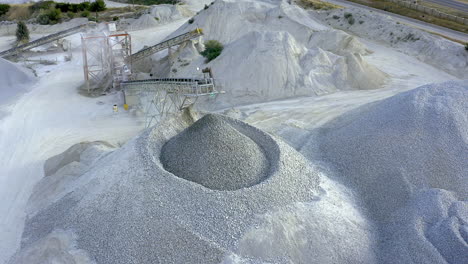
{"x": 158, "y": 98}
{"x": 106, "y": 59}
{"x": 120, "y": 46}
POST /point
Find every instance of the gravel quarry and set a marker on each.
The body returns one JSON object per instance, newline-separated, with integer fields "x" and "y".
{"x": 341, "y": 137}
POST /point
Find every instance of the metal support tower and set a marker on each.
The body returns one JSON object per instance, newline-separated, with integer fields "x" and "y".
{"x": 120, "y": 46}
{"x": 106, "y": 59}
{"x": 96, "y": 63}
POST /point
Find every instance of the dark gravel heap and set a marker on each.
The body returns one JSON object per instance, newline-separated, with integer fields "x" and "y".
{"x": 216, "y": 155}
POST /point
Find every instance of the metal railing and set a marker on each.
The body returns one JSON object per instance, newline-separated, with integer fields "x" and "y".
{"x": 191, "y": 87}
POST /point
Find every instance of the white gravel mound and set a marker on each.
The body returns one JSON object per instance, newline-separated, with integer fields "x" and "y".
{"x": 129, "y": 209}
{"x": 144, "y": 21}
{"x": 57, "y": 247}
{"x": 437, "y": 51}
{"x": 168, "y": 13}
{"x": 328, "y": 230}
{"x": 392, "y": 148}
{"x": 431, "y": 228}
{"x": 15, "y": 80}
{"x": 63, "y": 170}
{"x": 289, "y": 69}
{"x": 296, "y": 54}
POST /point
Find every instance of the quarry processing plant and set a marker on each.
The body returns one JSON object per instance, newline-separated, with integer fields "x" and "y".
{"x": 107, "y": 62}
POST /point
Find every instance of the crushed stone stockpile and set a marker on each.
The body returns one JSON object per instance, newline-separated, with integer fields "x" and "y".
{"x": 128, "y": 209}
{"x": 144, "y": 21}
{"x": 168, "y": 13}
{"x": 158, "y": 15}
{"x": 431, "y": 228}
{"x": 406, "y": 157}
{"x": 413, "y": 140}
{"x": 14, "y": 80}
{"x": 216, "y": 155}
{"x": 444, "y": 54}
{"x": 296, "y": 54}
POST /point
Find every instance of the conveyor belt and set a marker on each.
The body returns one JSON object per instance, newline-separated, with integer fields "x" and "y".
{"x": 44, "y": 40}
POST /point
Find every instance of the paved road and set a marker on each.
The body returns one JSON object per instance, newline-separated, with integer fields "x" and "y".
{"x": 410, "y": 21}
{"x": 450, "y": 3}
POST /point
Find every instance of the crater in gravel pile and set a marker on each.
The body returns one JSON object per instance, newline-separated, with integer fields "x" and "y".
{"x": 215, "y": 154}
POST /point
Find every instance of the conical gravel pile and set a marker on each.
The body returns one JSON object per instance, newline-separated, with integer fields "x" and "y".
{"x": 216, "y": 155}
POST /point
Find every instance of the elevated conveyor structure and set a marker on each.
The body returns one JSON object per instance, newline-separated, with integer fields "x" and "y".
{"x": 158, "y": 98}
{"x": 44, "y": 40}
{"x": 166, "y": 44}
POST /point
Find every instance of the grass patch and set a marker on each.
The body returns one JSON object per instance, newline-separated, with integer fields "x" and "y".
{"x": 404, "y": 11}
{"x": 317, "y": 5}
{"x": 19, "y": 12}
{"x": 445, "y": 9}
{"x": 451, "y": 39}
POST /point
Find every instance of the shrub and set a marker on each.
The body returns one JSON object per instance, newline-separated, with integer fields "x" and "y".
{"x": 22, "y": 33}
{"x": 348, "y": 15}
{"x": 54, "y": 15}
{"x": 43, "y": 19}
{"x": 83, "y": 6}
{"x": 97, "y": 6}
{"x": 213, "y": 49}
{"x": 42, "y": 5}
{"x": 190, "y": 21}
{"x": 316, "y": 5}
{"x": 206, "y": 6}
{"x": 51, "y": 16}
{"x": 155, "y": 2}
{"x": 115, "y": 18}
{"x": 4, "y": 9}
{"x": 85, "y": 13}
{"x": 64, "y": 7}
{"x": 335, "y": 17}
{"x": 466, "y": 46}
{"x": 351, "y": 20}
{"x": 70, "y": 14}
{"x": 361, "y": 22}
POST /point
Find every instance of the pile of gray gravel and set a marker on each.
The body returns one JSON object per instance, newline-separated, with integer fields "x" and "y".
{"x": 216, "y": 155}
{"x": 128, "y": 209}
{"x": 389, "y": 149}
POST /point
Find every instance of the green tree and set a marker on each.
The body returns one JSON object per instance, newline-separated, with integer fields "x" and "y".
{"x": 22, "y": 33}
{"x": 4, "y": 9}
{"x": 212, "y": 50}
{"x": 97, "y": 6}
